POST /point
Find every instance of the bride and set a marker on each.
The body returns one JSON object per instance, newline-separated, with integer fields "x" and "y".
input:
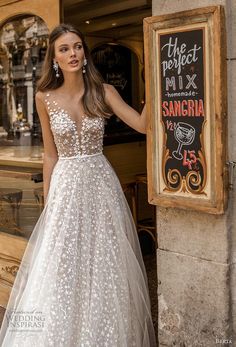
{"x": 82, "y": 280}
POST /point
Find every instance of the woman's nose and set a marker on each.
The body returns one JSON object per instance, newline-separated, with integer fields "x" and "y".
{"x": 72, "y": 52}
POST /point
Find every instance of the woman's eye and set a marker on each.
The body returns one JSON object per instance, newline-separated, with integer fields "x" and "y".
{"x": 64, "y": 49}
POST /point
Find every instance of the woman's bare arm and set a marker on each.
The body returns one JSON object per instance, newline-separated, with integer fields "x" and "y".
{"x": 50, "y": 151}
{"x": 124, "y": 111}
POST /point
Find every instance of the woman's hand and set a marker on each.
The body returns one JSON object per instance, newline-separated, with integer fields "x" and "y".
{"x": 124, "y": 111}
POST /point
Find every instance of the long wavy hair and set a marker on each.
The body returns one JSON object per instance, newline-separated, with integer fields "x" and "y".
{"x": 94, "y": 95}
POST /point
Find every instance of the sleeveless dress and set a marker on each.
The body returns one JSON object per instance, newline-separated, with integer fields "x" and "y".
{"x": 82, "y": 280}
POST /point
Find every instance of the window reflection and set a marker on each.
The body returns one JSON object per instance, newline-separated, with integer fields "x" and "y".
{"x": 23, "y": 44}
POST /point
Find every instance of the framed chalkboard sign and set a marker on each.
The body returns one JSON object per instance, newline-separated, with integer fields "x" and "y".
{"x": 186, "y": 96}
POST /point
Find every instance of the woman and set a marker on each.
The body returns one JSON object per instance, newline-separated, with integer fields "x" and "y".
{"x": 82, "y": 276}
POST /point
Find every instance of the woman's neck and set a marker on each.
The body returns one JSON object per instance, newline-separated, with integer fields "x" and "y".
{"x": 73, "y": 84}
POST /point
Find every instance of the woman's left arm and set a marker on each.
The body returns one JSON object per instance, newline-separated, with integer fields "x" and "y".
{"x": 124, "y": 111}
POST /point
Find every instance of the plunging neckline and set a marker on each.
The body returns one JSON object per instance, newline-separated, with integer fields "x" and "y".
{"x": 56, "y": 108}
{"x": 81, "y": 118}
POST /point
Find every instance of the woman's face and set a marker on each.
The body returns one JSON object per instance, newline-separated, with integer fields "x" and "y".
{"x": 69, "y": 52}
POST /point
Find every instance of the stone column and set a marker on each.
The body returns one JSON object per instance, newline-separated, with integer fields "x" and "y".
{"x": 197, "y": 251}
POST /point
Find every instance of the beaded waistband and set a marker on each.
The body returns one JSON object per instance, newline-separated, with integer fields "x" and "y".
{"x": 80, "y": 156}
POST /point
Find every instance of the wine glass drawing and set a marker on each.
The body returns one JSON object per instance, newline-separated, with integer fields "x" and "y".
{"x": 184, "y": 134}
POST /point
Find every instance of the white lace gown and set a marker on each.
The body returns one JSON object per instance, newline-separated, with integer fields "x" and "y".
{"x": 82, "y": 280}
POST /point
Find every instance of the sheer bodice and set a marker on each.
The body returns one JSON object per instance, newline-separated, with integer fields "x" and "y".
{"x": 83, "y": 136}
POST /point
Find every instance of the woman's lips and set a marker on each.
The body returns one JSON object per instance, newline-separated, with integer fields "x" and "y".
{"x": 74, "y": 62}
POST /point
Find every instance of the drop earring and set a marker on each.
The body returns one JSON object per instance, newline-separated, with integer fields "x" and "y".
{"x": 55, "y": 67}
{"x": 85, "y": 63}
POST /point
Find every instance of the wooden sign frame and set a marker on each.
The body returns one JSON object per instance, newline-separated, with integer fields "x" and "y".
{"x": 186, "y": 98}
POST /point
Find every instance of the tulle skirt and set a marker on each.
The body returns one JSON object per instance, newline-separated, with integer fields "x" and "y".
{"x": 82, "y": 280}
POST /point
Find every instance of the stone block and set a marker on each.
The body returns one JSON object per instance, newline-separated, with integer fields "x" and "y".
{"x": 161, "y": 7}
{"x": 231, "y": 28}
{"x": 193, "y": 233}
{"x": 193, "y": 301}
{"x": 232, "y": 107}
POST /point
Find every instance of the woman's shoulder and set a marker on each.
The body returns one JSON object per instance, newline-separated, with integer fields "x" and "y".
{"x": 110, "y": 91}
{"x": 46, "y": 93}
{"x": 45, "y": 97}
{"x": 41, "y": 95}
{"x": 108, "y": 87}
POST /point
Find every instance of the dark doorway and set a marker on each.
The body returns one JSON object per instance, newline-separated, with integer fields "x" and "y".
{"x": 118, "y": 65}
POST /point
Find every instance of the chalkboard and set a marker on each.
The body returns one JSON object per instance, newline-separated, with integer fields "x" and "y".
{"x": 183, "y": 109}
{"x": 186, "y": 98}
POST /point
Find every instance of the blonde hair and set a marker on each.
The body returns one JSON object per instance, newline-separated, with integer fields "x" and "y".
{"x": 94, "y": 95}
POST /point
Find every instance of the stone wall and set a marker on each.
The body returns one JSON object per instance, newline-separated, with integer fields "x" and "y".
{"x": 197, "y": 252}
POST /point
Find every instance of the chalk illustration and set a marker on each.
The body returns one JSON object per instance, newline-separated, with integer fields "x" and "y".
{"x": 184, "y": 135}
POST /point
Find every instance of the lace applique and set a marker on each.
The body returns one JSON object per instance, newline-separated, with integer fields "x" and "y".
{"x": 72, "y": 138}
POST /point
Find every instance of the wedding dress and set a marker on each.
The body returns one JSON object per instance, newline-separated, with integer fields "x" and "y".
{"x": 82, "y": 280}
